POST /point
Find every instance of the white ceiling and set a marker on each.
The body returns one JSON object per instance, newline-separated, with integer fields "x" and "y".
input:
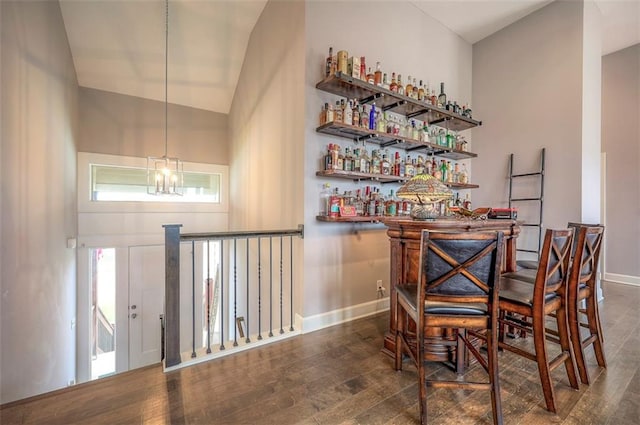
{"x": 118, "y": 45}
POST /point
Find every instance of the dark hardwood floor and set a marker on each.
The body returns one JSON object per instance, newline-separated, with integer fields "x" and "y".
{"x": 339, "y": 376}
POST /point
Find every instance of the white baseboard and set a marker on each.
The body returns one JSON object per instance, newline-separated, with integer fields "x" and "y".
{"x": 621, "y": 278}
{"x": 342, "y": 315}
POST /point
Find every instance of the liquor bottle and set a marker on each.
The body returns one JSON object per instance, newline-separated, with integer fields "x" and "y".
{"x": 348, "y": 159}
{"x": 420, "y": 166}
{"x": 359, "y": 203}
{"x": 467, "y": 202}
{"x": 323, "y": 114}
{"x": 421, "y": 92}
{"x": 340, "y": 163}
{"x": 330, "y": 66}
{"x": 385, "y": 83}
{"x": 394, "y": 85}
{"x": 390, "y": 123}
{"x": 400, "y": 86}
{"x": 449, "y": 172}
{"x": 456, "y": 173}
{"x": 325, "y": 194}
{"x": 365, "y": 164}
{"x": 355, "y": 114}
{"x": 372, "y": 117}
{"x": 463, "y": 177}
{"x": 356, "y": 160}
{"x": 337, "y": 112}
{"x": 442, "y": 98}
{"x": 408, "y": 90}
{"x": 443, "y": 170}
{"x": 395, "y": 168}
{"x": 377, "y": 77}
{"x": 364, "y": 118}
{"x": 335, "y": 154}
{"x": 391, "y": 207}
{"x": 375, "y": 163}
{"x": 379, "y": 203}
{"x": 334, "y": 204}
{"x": 415, "y": 89}
{"x": 385, "y": 165}
{"x": 415, "y": 131}
{"x": 427, "y": 167}
{"x": 347, "y": 113}
{"x": 363, "y": 69}
{"x": 370, "y": 77}
{"x": 434, "y": 98}
{"x": 381, "y": 122}
{"x": 328, "y": 158}
{"x": 410, "y": 167}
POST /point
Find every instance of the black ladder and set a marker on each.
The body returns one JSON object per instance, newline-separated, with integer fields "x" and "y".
{"x": 539, "y": 199}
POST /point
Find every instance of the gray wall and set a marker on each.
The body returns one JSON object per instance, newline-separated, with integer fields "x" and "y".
{"x": 117, "y": 124}
{"x": 528, "y": 90}
{"x": 621, "y": 143}
{"x": 38, "y": 174}
{"x": 343, "y": 261}
{"x": 266, "y": 123}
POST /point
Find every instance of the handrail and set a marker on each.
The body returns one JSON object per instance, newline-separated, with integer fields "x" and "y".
{"x": 242, "y": 234}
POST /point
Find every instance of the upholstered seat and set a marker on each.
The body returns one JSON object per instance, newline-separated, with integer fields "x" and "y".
{"x": 457, "y": 289}
{"x": 533, "y": 302}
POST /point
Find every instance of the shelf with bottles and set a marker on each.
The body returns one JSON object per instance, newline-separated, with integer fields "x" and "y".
{"x": 356, "y": 219}
{"x": 382, "y": 178}
{"x": 344, "y": 85}
{"x": 385, "y": 140}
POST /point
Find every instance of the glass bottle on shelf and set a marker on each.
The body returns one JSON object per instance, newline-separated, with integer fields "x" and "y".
{"x": 415, "y": 131}
{"x": 377, "y": 76}
{"x": 365, "y": 164}
{"x": 355, "y": 114}
{"x": 359, "y": 204}
{"x": 442, "y": 97}
{"x": 371, "y": 79}
{"x": 415, "y": 90}
{"x": 385, "y": 82}
{"x": 325, "y": 195}
{"x": 347, "y": 113}
{"x": 463, "y": 177}
{"x": 363, "y": 69}
{"x": 375, "y": 162}
{"x": 394, "y": 85}
{"x": 330, "y": 64}
{"x": 434, "y": 98}
{"x": 421, "y": 92}
{"x": 408, "y": 90}
{"x": 381, "y": 123}
{"x": 364, "y": 118}
{"x": 420, "y": 166}
{"x": 372, "y": 117}
{"x": 410, "y": 168}
{"x": 391, "y": 205}
{"x": 400, "y": 86}
{"x": 385, "y": 165}
{"x": 348, "y": 159}
{"x": 449, "y": 172}
{"x": 337, "y": 112}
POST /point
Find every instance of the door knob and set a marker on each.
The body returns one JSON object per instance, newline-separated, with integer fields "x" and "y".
{"x": 134, "y": 315}
{"x": 133, "y": 307}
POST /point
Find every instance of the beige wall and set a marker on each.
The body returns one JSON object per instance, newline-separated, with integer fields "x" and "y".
{"x": 621, "y": 143}
{"x": 266, "y": 122}
{"x": 344, "y": 261}
{"x": 528, "y": 90}
{"x": 117, "y": 124}
{"x": 38, "y": 174}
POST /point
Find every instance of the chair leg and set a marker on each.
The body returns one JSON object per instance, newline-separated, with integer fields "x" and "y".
{"x": 492, "y": 365}
{"x": 565, "y": 344}
{"x": 539, "y": 342}
{"x": 422, "y": 376}
{"x": 576, "y": 342}
{"x": 461, "y": 351}
{"x": 400, "y": 325}
{"x": 593, "y": 319}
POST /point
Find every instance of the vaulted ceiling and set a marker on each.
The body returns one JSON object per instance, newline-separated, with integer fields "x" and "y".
{"x": 119, "y": 46}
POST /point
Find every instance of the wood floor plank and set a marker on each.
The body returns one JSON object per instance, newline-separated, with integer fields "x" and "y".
{"x": 339, "y": 376}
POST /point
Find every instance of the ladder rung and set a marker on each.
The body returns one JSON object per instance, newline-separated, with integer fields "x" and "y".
{"x": 537, "y": 173}
{"x": 526, "y": 199}
{"x": 527, "y": 250}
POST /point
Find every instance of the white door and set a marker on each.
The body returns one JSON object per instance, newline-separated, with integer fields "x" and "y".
{"x": 146, "y": 304}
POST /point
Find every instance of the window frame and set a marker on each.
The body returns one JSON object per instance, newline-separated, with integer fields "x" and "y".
{"x": 87, "y": 204}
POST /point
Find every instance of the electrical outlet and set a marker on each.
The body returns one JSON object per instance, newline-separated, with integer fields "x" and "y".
{"x": 379, "y": 284}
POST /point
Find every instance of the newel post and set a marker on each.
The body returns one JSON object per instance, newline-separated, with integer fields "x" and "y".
{"x": 172, "y": 293}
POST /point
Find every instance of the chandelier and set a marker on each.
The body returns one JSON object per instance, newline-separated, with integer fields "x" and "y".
{"x": 165, "y": 174}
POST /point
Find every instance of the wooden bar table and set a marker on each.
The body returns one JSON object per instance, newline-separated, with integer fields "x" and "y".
{"x": 404, "y": 237}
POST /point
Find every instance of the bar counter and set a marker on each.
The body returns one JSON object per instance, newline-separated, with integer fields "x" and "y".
{"x": 404, "y": 237}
